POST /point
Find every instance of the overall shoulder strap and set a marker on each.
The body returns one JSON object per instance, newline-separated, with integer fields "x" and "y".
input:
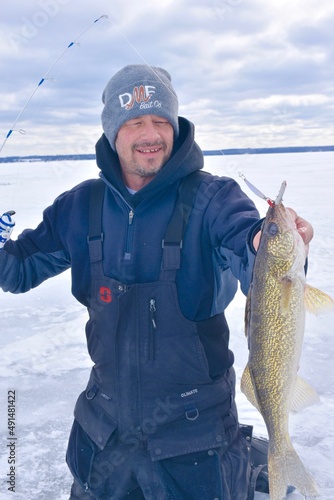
{"x": 95, "y": 234}
{"x": 172, "y": 243}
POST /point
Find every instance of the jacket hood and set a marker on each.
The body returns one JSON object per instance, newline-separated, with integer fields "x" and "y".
{"x": 186, "y": 157}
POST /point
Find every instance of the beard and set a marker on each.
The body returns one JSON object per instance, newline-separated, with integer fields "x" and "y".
{"x": 149, "y": 171}
{"x": 149, "y": 166}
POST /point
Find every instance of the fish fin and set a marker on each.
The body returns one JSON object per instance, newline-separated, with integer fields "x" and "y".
{"x": 316, "y": 301}
{"x": 248, "y": 312}
{"x": 288, "y": 470}
{"x": 247, "y": 387}
{"x": 304, "y": 395}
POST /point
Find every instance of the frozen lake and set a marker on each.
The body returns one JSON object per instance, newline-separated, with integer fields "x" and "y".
{"x": 42, "y": 341}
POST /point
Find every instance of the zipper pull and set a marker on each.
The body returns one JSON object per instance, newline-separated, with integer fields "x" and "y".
{"x": 131, "y": 214}
{"x": 153, "y": 310}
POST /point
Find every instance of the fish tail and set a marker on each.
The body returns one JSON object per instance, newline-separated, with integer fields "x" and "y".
{"x": 288, "y": 470}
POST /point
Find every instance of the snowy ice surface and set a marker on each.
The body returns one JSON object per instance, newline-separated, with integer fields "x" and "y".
{"x": 42, "y": 341}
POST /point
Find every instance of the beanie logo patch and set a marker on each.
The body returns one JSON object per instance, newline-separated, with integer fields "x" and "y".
{"x": 140, "y": 95}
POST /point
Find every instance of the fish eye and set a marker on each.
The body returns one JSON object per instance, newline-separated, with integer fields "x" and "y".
{"x": 272, "y": 229}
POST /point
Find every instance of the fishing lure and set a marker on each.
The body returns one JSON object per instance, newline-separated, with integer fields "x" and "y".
{"x": 259, "y": 193}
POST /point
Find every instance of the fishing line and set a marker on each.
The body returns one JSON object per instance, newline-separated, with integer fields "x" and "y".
{"x": 144, "y": 60}
{"x": 44, "y": 78}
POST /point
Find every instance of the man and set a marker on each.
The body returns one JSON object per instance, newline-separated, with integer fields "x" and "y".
{"x": 156, "y": 251}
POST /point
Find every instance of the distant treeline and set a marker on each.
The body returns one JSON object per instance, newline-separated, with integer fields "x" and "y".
{"x": 214, "y": 152}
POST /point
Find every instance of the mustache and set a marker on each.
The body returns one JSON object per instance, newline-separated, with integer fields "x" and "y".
{"x": 147, "y": 145}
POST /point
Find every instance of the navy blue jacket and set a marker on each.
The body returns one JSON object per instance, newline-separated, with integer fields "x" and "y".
{"x": 216, "y": 250}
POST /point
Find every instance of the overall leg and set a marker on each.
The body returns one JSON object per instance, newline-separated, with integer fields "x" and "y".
{"x": 111, "y": 475}
{"x": 78, "y": 493}
{"x": 208, "y": 475}
{"x": 196, "y": 476}
{"x": 236, "y": 469}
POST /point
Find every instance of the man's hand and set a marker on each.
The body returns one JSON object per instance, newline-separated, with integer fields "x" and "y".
{"x": 6, "y": 227}
{"x": 304, "y": 228}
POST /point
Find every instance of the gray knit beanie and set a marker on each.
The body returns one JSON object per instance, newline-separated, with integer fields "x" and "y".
{"x": 134, "y": 91}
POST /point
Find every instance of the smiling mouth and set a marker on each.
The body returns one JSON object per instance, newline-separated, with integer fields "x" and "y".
{"x": 147, "y": 148}
{"x": 153, "y": 150}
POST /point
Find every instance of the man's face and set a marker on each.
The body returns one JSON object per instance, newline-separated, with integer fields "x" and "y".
{"x": 144, "y": 145}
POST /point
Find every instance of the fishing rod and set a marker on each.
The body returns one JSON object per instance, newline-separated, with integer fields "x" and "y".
{"x": 45, "y": 77}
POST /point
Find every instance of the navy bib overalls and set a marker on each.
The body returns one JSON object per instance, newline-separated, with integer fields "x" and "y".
{"x": 152, "y": 384}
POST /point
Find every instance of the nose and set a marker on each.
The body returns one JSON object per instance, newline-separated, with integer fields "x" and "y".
{"x": 150, "y": 132}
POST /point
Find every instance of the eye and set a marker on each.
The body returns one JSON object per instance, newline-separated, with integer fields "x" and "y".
{"x": 133, "y": 123}
{"x": 272, "y": 229}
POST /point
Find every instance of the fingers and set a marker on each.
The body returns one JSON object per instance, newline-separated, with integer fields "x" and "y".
{"x": 305, "y": 229}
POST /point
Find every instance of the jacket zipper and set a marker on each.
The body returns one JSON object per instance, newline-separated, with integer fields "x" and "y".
{"x": 129, "y": 236}
{"x": 153, "y": 328}
{"x": 128, "y": 246}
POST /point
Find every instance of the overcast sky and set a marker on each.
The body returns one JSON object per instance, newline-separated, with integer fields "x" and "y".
{"x": 248, "y": 73}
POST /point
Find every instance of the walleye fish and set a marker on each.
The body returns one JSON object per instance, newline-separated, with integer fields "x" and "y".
{"x": 275, "y": 318}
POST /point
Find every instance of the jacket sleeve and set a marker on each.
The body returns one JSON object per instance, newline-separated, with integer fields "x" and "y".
{"x": 34, "y": 257}
{"x": 232, "y": 221}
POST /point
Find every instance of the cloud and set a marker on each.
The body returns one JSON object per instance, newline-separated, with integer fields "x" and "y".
{"x": 244, "y": 71}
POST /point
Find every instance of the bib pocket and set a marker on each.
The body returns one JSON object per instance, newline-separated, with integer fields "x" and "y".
{"x": 80, "y": 455}
{"x": 91, "y": 430}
